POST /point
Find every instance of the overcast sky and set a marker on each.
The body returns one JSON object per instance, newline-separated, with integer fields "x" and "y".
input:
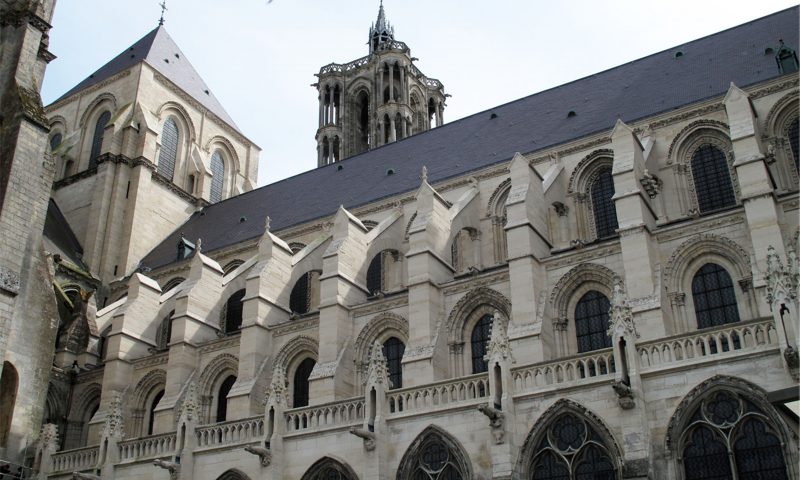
{"x": 259, "y": 58}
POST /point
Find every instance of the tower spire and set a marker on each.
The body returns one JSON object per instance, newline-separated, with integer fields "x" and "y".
{"x": 381, "y": 31}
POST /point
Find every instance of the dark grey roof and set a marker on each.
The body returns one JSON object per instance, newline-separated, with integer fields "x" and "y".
{"x": 642, "y": 88}
{"x": 162, "y": 53}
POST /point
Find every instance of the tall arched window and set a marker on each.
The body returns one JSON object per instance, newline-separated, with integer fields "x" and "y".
{"x": 8, "y": 399}
{"x": 164, "y": 332}
{"x": 393, "y": 350}
{"x": 55, "y": 140}
{"x": 151, "y": 414}
{"x": 300, "y": 385}
{"x": 728, "y": 432}
{"x": 605, "y": 213}
{"x": 793, "y": 142}
{"x": 329, "y": 469}
{"x": 218, "y": 176}
{"x": 97, "y": 139}
{"x": 233, "y": 312}
{"x": 167, "y": 157}
{"x": 434, "y": 455}
{"x": 591, "y": 322}
{"x": 305, "y": 293}
{"x": 714, "y": 297}
{"x": 479, "y": 339}
{"x": 712, "y": 179}
{"x": 222, "y": 398}
{"x": 571, "y": 449}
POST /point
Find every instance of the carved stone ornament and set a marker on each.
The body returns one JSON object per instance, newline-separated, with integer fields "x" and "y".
{"x": 48, "y": 437}
{"x": 651, "y": 184}
{"x": 621, "y": 315}
{"x": 113, "y": 426}
{"x": 782, "y": 279}
{"x": 496, "y": 422}
{"x": 377, "y": 371}
{"x": 173, "y": 468}
{"x": 264, "y": 454}
{"x": 276, "y": 392}
{"x": 499, "y": 346}
{"x": 190, "y": 408}
{"x": 624, "y": 395}
{"x": 366, "y": 435}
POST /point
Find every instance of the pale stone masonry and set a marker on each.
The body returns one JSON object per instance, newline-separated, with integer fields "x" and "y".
{"x": 600, "y": 305}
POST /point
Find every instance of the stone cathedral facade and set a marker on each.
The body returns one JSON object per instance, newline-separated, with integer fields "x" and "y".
{"x": 598, "y": 281}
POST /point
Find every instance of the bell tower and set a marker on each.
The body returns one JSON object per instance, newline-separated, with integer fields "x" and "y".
{"x": 376, "y": 99}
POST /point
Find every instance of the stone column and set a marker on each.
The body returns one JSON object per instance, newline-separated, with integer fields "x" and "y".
{"x": 391, "y": 83}
{"x": 380, "y": 85}
{"x": 392, "y": 130}
{"x": 403, "y": 89}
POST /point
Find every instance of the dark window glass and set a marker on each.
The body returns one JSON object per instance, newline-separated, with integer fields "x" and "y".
{"x": 550, "y": 467}
{"x": 97, "y": 139}
{"x": 480, "y": 337}
{"x": 714, "y": 298}
{"x": 222, "y": 398}
{"x": 393, "y": 350}
{"x": 375, "y": 275}
{"x": 233, "y": 312}
{"x": 218, "y": 178}
{"x": 572, "y": 450}
{"x": 758, "y": 453}
{"x": 169, "y": 149}
{"x": 605, "y": 213}
{"x": 300, "y": 397}
{"x": 594, "y": 465}
{"x": 299, "y": 299}
{"x": 705, "y": 457}
{"x": 164, "y": 332}
{"x": 569, "y": 433}
{"x": 152, "y": 417}
{"x": 793, "y": 143}
{"x": 436, "y": 463}
{"x": 591, "y": 322}
{"x": 55, "y": 140}
{"x": 712, "y": 179}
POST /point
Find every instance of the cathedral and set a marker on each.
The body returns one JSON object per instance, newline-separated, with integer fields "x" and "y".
{"x": 597, "y": 281}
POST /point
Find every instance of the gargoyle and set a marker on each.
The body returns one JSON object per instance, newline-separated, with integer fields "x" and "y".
{"x": 172, "y": 467}
{"x": 366, "y": 435}
{"x": 624, "y": 395}
{"x": 496, "y": 419}
{"x": 264, "y": 454}
{"x": 84, "y": 476}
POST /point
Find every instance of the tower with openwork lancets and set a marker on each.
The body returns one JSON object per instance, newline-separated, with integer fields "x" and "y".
{"x": 376, "y": 99}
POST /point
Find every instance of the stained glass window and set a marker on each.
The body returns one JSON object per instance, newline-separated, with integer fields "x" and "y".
{"x": 300, "y": 397}
{"x": 714, "y": 297}
{"x": 571, "y": 449}
{"x": 218, "y": 176}
{"x": 712, "y": 179}
{"x": 168, "y": 155}
{"x": 393, "y": 350}
{"x": 97, "y": 139}
{"x": 591, "y": 322}
{"x": 605, "y": 213}
{"x": 481, "y": 333}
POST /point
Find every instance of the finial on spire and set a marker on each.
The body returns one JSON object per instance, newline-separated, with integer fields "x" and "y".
{"x": 266, "y": 223}
{"x": 163, "y": 6}
{"x": 424, "y": 175}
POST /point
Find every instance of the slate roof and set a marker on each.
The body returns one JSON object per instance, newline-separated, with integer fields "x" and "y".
{"x": 154, "y": 48}
{"x": 651, "y": 85}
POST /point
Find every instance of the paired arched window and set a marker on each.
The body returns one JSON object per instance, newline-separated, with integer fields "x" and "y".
{"x": 713, "y": 296}
{"x": 300, "y": 384}
{"x": 729, "y": 433}
{"x": 712, "y": 179}
{"x": 97, "y": 138}
{"x": 393, "y": 350}
{"x": 164, "y": 332}
{"x": 233, "y": 312}
{"x": 571, "y": 449}
{"x": 222, "y": 398}
{"x": 218, "y": 176}
{"x": 479, "y": 339}
{"x": 605, "y": 212}
{"x": 591, "y": 322}
{"x": 793, "y": 133}
{"x": 151, "y": 411}
{"x": 168, "y": 156}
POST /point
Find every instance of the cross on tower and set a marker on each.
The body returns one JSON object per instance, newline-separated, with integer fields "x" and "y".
{"x": 163, "y": 6}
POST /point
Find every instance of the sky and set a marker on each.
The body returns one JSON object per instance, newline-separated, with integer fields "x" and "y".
{"x": 259, "y": 57}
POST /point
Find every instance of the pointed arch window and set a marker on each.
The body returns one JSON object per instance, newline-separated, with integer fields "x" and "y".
{"x": 393, "y": 350}
{"x": 479, "y": 339}
{"x": 222, "y": 398}
{"x": 218, "y": 176}
{"x": 713, "y": 296}
{"x": 793, "y": 133}
{"x": 97, "y": 138}
{"x": 591, "y": 322}
{"x": 167, "y": 157}
{"x": 729, "y": 432}
{"x": 232, "y": 312}
{"x": 712, "y": 179}
{"x": 300, "y": 384}
{"x": 300, "y": 298}
{"x": 164, "y": 332}
{"x": 605, "y": 212}
{"x": 433, "y": 456}
{"x": 151, "y": 414}
{"x": 572, "y": 449}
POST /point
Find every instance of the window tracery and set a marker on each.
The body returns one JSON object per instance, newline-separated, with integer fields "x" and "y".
{"x": 168, "y": 155}
{"x": 218, "y": 176}
{"x": 434, "y": 455}
{"x": 97, "y": 137}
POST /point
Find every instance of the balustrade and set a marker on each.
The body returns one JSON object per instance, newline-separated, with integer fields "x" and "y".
{"x": 75, "y": 460}
{"x": 470, "y": 389}
{"x": 593, "y": 365}
{"x": 345, "y": 413}
{"x": 152, "y": 446}
{"x": 230, "y": 433}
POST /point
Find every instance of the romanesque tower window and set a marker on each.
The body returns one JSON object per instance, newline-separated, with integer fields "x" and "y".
{"x": 712, "y": 179}
{"x": 233, "y": 312}
{"x": 97, "y": 139}
{"x": 393, "y": 350}
{"x": 218, "y": 176}
{"x": 167, "y": 157}
{"x": 479, "y": 339}
{"x": 591, "y": 322}
{"x": 300, "y": 384}
{"x": 222, "y": 398}
{"x": 714, "y": 297}
{"x": 605, "y": 213}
